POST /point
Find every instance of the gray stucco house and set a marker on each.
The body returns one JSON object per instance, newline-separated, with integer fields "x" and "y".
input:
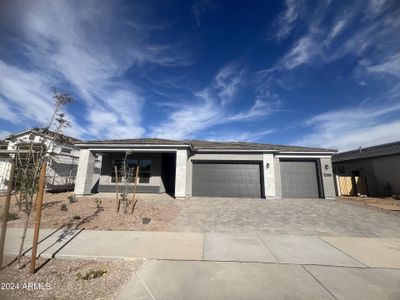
{"x": 380, "y": 165}
{"x": 209, "y": 169}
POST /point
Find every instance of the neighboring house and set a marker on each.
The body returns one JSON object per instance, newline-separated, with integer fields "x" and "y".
{"x": 379, "y": 165}
{"x": 209, "y": 169}
{"x": 63, "y": 163}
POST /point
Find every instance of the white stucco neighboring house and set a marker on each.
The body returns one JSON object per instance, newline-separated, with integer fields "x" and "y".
{"x": 63, "y": 162}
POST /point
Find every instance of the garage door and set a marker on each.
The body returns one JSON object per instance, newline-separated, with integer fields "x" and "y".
{"x": 299, "y": 179}
{"x": 226, "y": 180}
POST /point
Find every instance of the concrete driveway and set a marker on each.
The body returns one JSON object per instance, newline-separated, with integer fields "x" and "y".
{"x": 283, "y": 216}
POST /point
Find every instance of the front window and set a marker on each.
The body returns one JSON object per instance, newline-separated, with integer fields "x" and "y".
{"x": 131, "y": 164}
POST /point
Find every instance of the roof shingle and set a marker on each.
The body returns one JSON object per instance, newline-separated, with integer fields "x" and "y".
{"x": 374, "y": 151}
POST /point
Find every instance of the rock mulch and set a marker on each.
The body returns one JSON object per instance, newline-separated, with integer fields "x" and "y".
{"x": 59, "y": 279}
{"x": 97, "y": 214}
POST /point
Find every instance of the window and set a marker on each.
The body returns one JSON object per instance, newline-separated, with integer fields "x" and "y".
{"x": 66, "y": 150}
{"x": 144, "y": 169}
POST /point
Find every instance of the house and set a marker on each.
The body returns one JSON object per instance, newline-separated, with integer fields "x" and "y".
{"x": 378, "y": 166}
{"x": 208, "y": 169}
{"x": 63, "y": 163}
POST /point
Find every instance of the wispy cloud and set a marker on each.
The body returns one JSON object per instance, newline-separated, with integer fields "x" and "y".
{"x": 89, "y": 46}
{"x": 390, "y": 66}
{"x": 201, "y": 7}
{"x": 211, "y": 107}
{"x": 352, "y": 127}
{"x": 287, "y": 19}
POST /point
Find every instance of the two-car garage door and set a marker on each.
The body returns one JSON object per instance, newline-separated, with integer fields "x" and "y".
{"x": 220, "y": 179}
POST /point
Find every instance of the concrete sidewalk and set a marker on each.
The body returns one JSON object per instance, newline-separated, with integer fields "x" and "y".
{"x": 167, "y": 279}
{"x": 186, "y": 265}
{"x": 219, "y": 247}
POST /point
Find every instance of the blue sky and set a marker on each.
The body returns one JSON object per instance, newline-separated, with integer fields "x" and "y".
{"x": 313, "y": 73}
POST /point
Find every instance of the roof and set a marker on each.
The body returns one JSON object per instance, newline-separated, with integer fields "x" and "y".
{"x": 198, "y": 145}
{"x": 374, "y": 151}
{"x": 40, "y": 131}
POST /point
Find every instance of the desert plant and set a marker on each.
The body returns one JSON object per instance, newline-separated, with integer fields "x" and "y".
{"x": 63, "y": 207}
{"x": 71, "y": 199}
{"x": 76, "y": 217}
{"x": 98, "y": 203}
{"x": 11, "y": 216}
{"x": 30, "y": 161}
{"x": 127, "y": 175}
{"x": 92, "y": 274}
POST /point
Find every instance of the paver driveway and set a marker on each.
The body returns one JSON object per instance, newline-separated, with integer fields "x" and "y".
{"x": 283, "y": 216}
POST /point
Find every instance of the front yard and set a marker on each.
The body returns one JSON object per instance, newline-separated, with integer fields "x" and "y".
{"x": 67, "y": 279}
{"x": 96, "y": 213}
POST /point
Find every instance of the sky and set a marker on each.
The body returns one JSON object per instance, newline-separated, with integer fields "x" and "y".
{"x": 311, "y": 73}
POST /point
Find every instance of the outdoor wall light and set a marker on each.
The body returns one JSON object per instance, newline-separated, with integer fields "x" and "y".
{"x": 267, "y": 165}
{"x": 326, "y": 167}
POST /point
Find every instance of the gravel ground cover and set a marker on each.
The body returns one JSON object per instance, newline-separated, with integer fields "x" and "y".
{"x": 96, "y": 213}
{"x": 60, "y": 279}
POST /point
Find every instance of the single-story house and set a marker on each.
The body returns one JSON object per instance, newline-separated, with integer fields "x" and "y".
{"x": 378, "y": 165}
{"x": 63, "y": 163}
{"x": 208, "y": 169}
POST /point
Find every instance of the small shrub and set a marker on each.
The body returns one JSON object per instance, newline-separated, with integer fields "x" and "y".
{"x": 77, "y": 217}
{"x": 98, "y": 203}
{"x": 71, "y": 199}
{"x": 63, "y": 207}
{"x": 11, "y": 216}
{"x": 91, "y": 275}
{"x": 146, "y": 220}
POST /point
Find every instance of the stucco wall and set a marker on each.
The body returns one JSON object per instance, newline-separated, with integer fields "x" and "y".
{"x": 379, "y": 171}
{"x": 327, "y": 178}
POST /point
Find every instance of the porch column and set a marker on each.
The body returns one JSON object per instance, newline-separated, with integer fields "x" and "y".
{"x": 180, "y": 173}
{"x": 269, "y": 175}
{"x": 84, "y": 175}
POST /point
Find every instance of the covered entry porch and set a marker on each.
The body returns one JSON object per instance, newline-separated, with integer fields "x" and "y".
{"x": 160, "y": 171}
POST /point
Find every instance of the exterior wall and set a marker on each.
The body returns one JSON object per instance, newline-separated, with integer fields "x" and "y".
{"x": 61, "y": 169}
{"x": 378, "y": 171}
{"x": 5, "y": 168}
{"x": 269, "y": 175}
{"x": 181, "y": 173}
{"x": 84, "y": 177}
{"x": 387, "y": 170}
{"x": 327, "y": 178}
{"x": 155, "y": 178}
{"x": 278, "y": 180}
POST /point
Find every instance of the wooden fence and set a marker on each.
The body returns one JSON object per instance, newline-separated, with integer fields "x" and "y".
{"x": 353, "y": 186}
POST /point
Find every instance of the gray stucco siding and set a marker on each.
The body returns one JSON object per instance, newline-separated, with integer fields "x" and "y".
{"x": 379, "y": 171}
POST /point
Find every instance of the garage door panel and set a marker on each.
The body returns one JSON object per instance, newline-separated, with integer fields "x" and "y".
{"x": 226, "y": 180}
{"x": 299, "y": 179}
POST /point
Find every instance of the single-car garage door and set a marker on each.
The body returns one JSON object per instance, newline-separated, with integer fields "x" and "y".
{"x": 299, "y": 179}
{"x": 213, "y": 179}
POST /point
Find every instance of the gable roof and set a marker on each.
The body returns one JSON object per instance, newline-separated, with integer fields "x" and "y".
{"x": 209, "y": 145}
{"x": 374, "y": 151}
